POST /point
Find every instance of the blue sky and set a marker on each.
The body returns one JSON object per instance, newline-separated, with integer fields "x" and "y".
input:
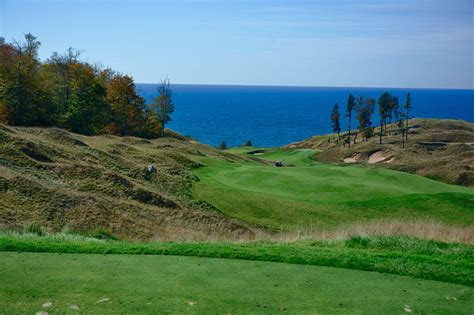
{"x": 399, "y": 43}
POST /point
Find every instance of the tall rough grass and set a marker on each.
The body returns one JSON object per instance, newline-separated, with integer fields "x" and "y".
{"x": 424, "y": 229}
{"x": 421, "y": 229}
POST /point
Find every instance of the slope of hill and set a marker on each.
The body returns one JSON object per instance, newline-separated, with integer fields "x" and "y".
{"x": 307, "y": 197}
{"x": 439, "y": 149}
{"x": 99, "y": 185}
{"x": 64, "y": 181}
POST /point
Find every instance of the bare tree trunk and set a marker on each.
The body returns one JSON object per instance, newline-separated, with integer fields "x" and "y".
{"x": 403, "y": 138}
{"x": 350, "y": 120}
{"x": 381, "y": 133}
{"x": 406, "y": 130}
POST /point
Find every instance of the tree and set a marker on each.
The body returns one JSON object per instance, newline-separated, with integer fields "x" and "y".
{"x": 392, "y": 112}
{"x": 127, "y": 106}
{"x": 8, "y": 93}
{"x": 364, "y": 116}
{"x": 65, "y": 92}
{"x": 222, "y": 145}
{"x": 59, "y": 68}
{"x": 162, "y": 106}
{"x": 359, "y": 107}
{"x": 407, "y": 107}
{"x": 384, "y": 106}
{"x": 395, "y": 108}
{"x": 76, "y": 95}
{"x": 152, "y": 128}
{"x": 335, "y": 120}
{"x": 401, "y": 126}
{"x": 24, "y": 100}
{"x": 370, "y": 105}
{"x": 87, "y": 111}
{"x": 247, "y": 143}
{"x": 349, "y": 109}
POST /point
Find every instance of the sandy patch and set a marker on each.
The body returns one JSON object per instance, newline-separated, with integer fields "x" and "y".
{"x": 102, "y": 300}
{"x": 47, "y": 304}
{"x": 380, "y": 156}
{"x": 353, "y": 159}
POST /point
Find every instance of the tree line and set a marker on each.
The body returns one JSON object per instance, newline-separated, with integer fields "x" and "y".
{"x": 65, "y": 92}
{"x": 362, "y": 109}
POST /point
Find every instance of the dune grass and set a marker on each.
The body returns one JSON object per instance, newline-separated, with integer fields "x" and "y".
{"x": 110, "y": 284}
{"x": 61, "y": 180}
{"x": 317, "y": 195}
{"x": 441, "y": 149}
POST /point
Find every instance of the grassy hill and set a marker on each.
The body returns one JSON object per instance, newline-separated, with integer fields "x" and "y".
{"x": 309, "y": 195}
{"x": 437, "y": 148}
{"x": 301, "y": 218}
{"x": 59, "y": 181}
{"x": 63, "y": 181}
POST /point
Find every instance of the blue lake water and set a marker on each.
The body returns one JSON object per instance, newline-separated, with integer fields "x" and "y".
{"x": 274, "y": 116}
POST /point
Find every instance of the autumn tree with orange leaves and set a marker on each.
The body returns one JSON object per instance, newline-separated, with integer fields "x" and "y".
{"x": 69, "y": 93}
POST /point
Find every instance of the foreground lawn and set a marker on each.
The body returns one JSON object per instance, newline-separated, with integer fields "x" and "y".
{"x": 423, "y": 259}
{"x": 89, "y": 283}
{"x": 316, "y": 195}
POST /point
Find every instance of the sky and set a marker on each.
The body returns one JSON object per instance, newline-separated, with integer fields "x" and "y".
{"x": 365, "y": 43}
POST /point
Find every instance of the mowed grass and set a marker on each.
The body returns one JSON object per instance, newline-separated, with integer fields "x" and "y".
{"x": 317, "y": 195}
{"x": 407, "y": 256}
{"x": 299, "y": 157}
{"x": 109, "y": 284}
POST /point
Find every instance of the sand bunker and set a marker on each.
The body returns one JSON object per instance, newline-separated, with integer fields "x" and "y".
{"x": 353, "y": 159}
{"x": 380, "y": 156}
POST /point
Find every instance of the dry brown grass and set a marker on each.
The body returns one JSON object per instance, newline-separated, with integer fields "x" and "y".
{"x": 424, "y": 229}
{"x": 58, "y": 179}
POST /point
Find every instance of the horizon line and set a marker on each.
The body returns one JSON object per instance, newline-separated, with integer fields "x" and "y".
{"x": 313, "y": 86}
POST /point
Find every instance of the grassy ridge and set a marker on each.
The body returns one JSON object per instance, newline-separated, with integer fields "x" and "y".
{"x": 442, "y": 149}
{"x": 401, "y": 256}
{"x": 316, "y": 195}
{"x": 61, "y": 180}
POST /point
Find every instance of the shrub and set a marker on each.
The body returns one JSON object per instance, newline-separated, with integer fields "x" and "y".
{"x": 247, "y": 143}
{"x": 222, "y": 146}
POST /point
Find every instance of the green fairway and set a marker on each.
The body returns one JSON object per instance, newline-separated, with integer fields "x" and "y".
{"x": 300, "y": 157}
{"x": 311, "y": 194}
{"x": 241, "y": 150}
{"x": 156, "y": 284}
